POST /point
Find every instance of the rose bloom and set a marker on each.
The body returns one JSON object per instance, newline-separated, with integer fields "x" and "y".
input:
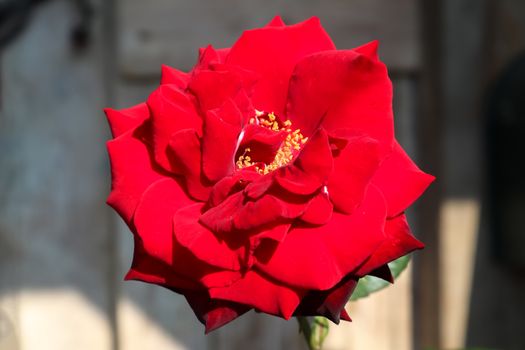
{"x": 267, "y": 178}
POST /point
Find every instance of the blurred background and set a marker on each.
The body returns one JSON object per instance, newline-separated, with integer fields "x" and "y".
{"x": 458, "y": 68}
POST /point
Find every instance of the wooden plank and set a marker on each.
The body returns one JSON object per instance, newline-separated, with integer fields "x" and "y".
{"x": 54, "y": 258}
{"x": 169, "y": 32}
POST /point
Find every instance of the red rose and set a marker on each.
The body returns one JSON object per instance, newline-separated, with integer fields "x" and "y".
{"x": 267, "y": 178}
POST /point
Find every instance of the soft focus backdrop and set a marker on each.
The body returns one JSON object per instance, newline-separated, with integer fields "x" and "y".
{"x": 458, "y": 68}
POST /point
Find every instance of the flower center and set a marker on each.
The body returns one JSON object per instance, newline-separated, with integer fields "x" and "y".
{"x": 286, "y": 152}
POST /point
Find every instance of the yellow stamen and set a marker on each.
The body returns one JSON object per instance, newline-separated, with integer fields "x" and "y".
{"x": 285, "y": 154}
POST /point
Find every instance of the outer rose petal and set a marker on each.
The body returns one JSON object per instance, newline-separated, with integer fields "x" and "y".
{"x": 277, "y": 21}
{"x": 262, "y": 294}
{"x": 174, "y": 77}
{"x": 329, "y": 303}
{"x": 161, "y": 201}
{"x": 148, "y": 269}
{"x": 171, "y": 110}
{"x": 272, "y": 52}
{"x": 342, "y": 89}
{"x": 214, "y": 313}
{"x": 154, "y": 223}
{"x": 399, "y": 242}
{"x": 369, "y": 50}
{"x": 131, "y": 172}
{"x": 318, "y": 258}
{"x": 400, "y": 180}
{"x": 123, "y": 120}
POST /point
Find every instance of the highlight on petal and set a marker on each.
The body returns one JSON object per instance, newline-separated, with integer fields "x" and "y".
{"x": 400, "y": 181}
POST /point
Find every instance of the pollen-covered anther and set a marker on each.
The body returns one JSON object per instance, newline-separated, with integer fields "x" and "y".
{"x": 288, "y": 149}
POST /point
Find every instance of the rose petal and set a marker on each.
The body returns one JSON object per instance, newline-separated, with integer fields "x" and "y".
{"x": 344, "y": 316}
{"x": 154, "y": 222}
{"x": 148, "y": 269}
{"x": 353, "y": 170}
{"x": 266, "y": 210}
{"x": 262, "y": 294}
{"x": 132, "y": 172}
{"x": 174, "y": 77}
{"x": 400, "y": 180}
{"x": 214, "y": 313}
{"x": 207, "y": 56}
{"x": 231, "y": 184}
{"x": 171, "y": 111}
{"x": 120, "y": 121}
{"x": 258, "y": 187}
{"x": 319, "y": 210}
{"x": 383, "y": 272}
{"x": 220, "y": 218}
{"x": 277, "y": 21}
{"x": 219, "y": 144}
{"x": 186, "y": 155}
{"x": 153, "y": 217}
{"x": 315, "y": 158}
{"x": 201, "y": 242}
{"x": 399, "y": 242}
{"x": 369, "y": 50}
{"x": 294, "y": 180}
{"x": 273, "y": 52}
{"x": 329, "y": 303}
{"x": 342, "y": 89}
{"x": 213, "y": 88}
{"x": 319, "y": 257}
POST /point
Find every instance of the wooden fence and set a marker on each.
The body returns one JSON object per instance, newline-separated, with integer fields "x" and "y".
{"x": 63, "y": 252}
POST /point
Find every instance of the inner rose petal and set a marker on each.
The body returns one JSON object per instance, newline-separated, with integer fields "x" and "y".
{"x": 265, "y": 158}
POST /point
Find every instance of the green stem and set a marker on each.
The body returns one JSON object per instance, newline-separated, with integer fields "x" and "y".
{"x": 314, "y": 329}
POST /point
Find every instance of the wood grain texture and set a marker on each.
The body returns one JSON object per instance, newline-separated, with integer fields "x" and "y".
{"x": 169, "y": 32}
{"x": 54, "y": 255}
